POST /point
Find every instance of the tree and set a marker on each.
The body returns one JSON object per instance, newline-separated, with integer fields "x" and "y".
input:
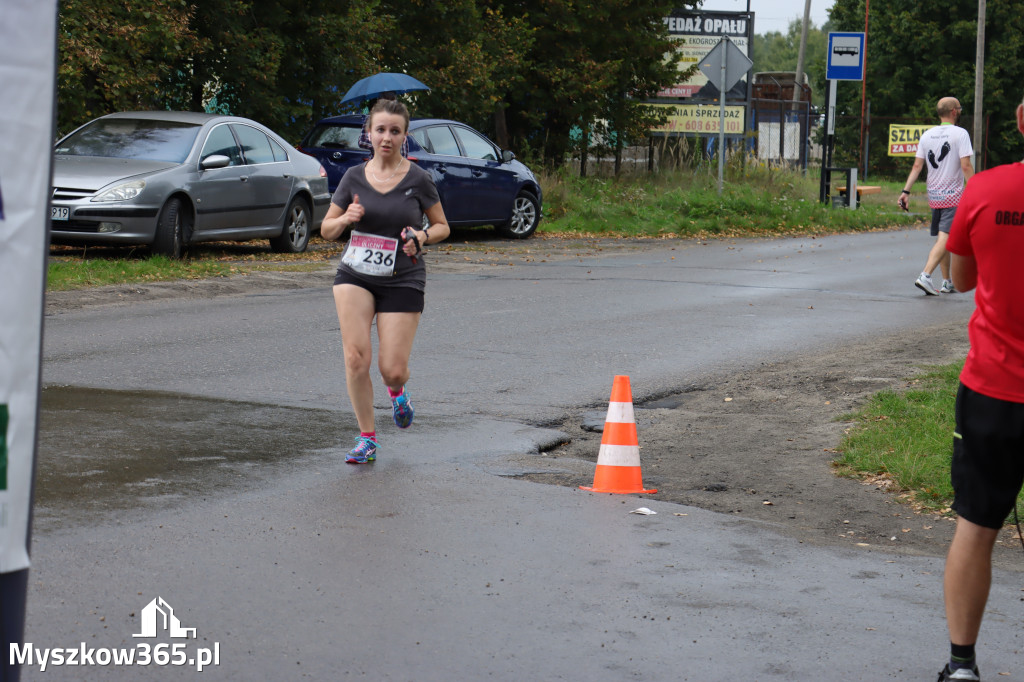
{"x": 908, "y": 71}
{"x": 577, "y": 74}
{"x": 114, "y": 55}
{"x": 470, "y": 55}
{"x": 285, "y": 63}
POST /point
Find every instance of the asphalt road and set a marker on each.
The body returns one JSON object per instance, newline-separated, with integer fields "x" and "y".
{"x": 192, "y": 450}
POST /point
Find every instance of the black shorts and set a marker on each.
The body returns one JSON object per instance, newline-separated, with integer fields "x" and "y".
{"x": 988, "y": 457}
{"x": 386, "y": 299}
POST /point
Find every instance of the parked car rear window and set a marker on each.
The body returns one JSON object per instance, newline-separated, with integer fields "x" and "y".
{"x": 128, "y": 138}
{"x": 334, "y": 137}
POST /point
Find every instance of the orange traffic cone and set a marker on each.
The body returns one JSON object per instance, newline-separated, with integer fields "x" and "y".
{"x": 618, "y": 462}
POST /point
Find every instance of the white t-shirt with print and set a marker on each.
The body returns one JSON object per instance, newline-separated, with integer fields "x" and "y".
{"x": 942, "y": 147}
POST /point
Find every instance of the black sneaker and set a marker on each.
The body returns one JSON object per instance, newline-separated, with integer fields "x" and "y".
{"x": 964, "y": 674}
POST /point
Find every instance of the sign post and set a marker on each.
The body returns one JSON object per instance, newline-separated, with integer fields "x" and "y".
{"x": 28, "y": 57}
{"x": 725, "y": 64}
{"x": 845, "y": 62}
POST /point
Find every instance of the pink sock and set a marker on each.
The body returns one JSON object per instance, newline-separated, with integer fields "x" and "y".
{"x": 372, "y": 435}
{"x": 395, "y": 394}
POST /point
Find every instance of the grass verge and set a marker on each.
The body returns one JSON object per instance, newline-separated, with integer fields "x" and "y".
{"x": 66, "y": 273}
{"x": 903, "y": 440}
{"x": 755, "y": 202}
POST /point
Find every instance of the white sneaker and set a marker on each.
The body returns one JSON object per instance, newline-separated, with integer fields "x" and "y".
{"x": 947, "y": 287}
{"x": 924, "y": 283}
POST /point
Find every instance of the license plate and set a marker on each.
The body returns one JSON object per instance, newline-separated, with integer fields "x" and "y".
{"x": 60, "y": 213}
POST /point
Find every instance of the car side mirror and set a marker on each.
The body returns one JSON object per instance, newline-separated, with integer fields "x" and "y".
{"x": 215, "y": 161}
{"x": 507, "y": 156}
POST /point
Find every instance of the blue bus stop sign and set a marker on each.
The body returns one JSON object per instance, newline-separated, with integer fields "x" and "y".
{"x": 845, "y": 57}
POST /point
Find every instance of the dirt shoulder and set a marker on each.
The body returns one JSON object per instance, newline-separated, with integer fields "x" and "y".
{"x": 757, "y": 444}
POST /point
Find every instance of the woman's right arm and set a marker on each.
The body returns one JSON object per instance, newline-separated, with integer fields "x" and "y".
{"x": 336, "y": 222}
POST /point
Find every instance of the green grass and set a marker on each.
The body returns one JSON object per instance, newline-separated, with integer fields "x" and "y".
{"x": 755, "y": 201}
{"x": 66, "y": 273}
{"x": 905, "y": 438}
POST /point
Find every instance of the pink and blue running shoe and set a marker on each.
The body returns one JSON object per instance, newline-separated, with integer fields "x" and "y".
{"x": 364, "y": 451}
{"x": 401, "y": 408}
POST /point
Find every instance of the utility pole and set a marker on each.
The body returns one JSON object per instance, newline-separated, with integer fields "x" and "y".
{"x": 979, "y": 80}
{"x": 803, "y": 49}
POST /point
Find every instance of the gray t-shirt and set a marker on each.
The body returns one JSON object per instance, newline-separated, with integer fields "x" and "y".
{"x": 387, "y": 215}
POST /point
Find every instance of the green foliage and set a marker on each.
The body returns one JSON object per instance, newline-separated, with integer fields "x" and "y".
{"x": 468, "y": 52}
{"x": 282, "y": 62}
{"x": 66, "y": 272}
{"x": 918, "y": 53}
{"x": 574, "y": 76}
{"x": 756, "y": 201}
{"x": 115, "y": 54}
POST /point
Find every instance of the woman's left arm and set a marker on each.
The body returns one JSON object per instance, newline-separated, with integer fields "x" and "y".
{"x": 438, "y": 230}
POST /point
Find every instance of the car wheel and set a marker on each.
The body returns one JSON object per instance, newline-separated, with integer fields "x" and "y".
{"x": 524, "y": 219}
{"x": 295, "y": 235}
{"x": 172, "y": 230}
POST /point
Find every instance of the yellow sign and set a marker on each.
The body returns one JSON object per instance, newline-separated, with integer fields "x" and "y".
{"x": 701, "y": 119}
{"x": 903, "y": 139}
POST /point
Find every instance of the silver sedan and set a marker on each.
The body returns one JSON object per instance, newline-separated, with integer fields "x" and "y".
{"x": 169, "y": 179}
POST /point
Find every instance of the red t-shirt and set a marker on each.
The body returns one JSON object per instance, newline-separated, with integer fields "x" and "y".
{"x": 989, "y": 225}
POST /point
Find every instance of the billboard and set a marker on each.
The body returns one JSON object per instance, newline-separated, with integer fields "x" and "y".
{"x": 903, "y": 139}
{"x": 701, "y": 119}
{"x": 696, "y": 34}
{"x": 28, "y": 35}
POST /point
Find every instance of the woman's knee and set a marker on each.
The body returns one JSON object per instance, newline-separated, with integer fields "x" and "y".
{"x": 394, "y": 373}
{"x": 358, "y": 360}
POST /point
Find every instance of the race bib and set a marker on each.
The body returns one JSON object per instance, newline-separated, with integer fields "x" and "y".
{"x": 370, "y": 254}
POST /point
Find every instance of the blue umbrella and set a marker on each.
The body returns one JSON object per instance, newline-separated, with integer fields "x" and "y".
{"x": 379, "y": 83}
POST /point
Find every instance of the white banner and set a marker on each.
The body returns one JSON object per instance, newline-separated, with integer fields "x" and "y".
{"x": 28, "y": 34}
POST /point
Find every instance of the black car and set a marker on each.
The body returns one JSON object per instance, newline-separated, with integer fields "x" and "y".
{"x": 479, "y": 183}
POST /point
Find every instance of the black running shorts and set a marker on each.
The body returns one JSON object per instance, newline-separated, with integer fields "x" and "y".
{"x": 988, "y": 457}
{"x": 387, "y": 299}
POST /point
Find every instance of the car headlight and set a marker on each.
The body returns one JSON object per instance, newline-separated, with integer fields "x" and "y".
{"x": 122, "y": 192}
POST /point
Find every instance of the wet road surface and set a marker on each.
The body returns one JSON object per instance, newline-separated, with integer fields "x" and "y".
{"x": 193, "y": 451}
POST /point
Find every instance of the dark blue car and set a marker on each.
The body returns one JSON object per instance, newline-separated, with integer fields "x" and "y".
{"x": 479, "y": 183}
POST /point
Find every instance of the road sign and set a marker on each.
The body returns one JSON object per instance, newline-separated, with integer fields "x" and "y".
{"x": 736, "y": 64}
{"x": 845, "y": 57}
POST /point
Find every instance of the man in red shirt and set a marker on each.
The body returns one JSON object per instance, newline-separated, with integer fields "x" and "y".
{"x": 986, "y": 242}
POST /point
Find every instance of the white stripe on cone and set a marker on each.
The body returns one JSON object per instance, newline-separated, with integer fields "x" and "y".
{"x": 619, "y": 455}
{"x": 621, "y": 413}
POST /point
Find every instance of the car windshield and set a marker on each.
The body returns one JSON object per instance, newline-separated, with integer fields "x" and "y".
{"x": 129, "y": 138}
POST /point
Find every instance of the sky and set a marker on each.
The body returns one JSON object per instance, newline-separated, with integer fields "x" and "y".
{"x": 773, "y": 15}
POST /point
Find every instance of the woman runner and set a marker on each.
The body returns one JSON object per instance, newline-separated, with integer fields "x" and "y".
{"x": 382, "y": 273}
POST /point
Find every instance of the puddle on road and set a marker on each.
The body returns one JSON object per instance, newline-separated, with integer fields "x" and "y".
{"x": 102, "y": 452}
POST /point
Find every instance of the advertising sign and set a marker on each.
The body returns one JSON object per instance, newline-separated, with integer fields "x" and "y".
{"x": 696, "y": 34}
{"x": 903, "y": 139}
{"x": 27, "y": 60}
{"x": 702, "y": 119}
